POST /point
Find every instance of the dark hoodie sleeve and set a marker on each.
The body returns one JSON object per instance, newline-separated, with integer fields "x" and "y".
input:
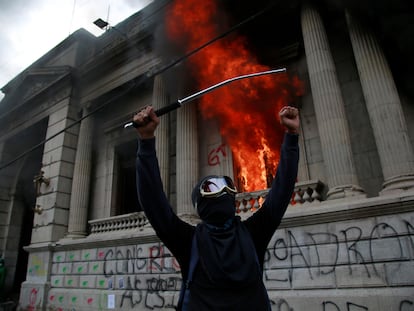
{"x": 175, "y": 233}
{"x": 265, "y": 221}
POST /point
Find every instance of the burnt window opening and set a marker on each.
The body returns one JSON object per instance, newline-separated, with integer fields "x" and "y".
{"x": 126, "y": 198}
{"x": 240, "y": 180}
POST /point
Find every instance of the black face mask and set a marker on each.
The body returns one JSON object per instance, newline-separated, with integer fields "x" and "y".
{"x": 217, "y": 211}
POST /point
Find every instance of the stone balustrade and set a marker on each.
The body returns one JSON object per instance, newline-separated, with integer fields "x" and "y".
{"x": 310, "y": 191}
{"x": 118, "y": 223}
{"x": 307, "y": 192}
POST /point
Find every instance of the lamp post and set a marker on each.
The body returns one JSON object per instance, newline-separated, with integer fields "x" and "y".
{"x": 104, "y": 25}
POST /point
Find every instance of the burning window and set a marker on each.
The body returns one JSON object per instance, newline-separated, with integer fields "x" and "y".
{"x": 247, "y": 110}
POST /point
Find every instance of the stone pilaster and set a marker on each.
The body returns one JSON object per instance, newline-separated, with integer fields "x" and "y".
{"x": 50, "y": 223}
{"x": 187, "y": 157}
{"x": 384, "y": 109}
{"x": 58, "y": 161}
{"x": 34, "y": 291}
{"x": 79, "y": 202}
{"x": 329, "y": 108}
{"x": 159, "y": 100}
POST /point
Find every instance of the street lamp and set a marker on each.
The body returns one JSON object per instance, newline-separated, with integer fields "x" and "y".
{"x": 105, "y": 26}
{"x": 101, "y": 23}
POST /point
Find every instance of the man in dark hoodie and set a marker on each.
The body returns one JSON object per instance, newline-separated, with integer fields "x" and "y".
{"x": 228, "y": 253}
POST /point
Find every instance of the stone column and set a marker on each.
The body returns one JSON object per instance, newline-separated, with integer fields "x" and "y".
{"x": 159, "y": 100}
{"x": 79, "y": 201}
{"x": 329, "y": 108}
{"x": 384, "y": 109}
{"x": 187, "y": 157}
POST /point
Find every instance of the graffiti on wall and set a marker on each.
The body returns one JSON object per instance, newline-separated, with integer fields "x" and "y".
{"x": 147, "y": 276}
{"x": 216, "y": 155}
{"x": 130, "y": 260}
{"x": 282, "y": 304}
{"x": 319, "y": 254}
{"x": 36, "y": 266}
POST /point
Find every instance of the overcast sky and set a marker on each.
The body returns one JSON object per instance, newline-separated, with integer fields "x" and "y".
{"x": 30, "y": 28}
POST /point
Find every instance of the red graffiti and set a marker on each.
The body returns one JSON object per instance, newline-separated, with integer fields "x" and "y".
{"x": 101, "y": 254}
{"x": 90, "y": 300}
{"x": 156, "y": 258}
{"x": 215, "y": 155}
{"x": 32, "y": 299}
{"x": 51, "y": 298}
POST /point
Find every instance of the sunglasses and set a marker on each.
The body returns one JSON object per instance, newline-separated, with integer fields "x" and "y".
{"x": 215, "y": 186}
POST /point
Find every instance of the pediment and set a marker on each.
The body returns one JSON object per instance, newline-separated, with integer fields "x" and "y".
{"x": 30, "y": 84}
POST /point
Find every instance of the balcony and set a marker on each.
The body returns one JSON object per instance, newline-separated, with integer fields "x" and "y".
{"x": 133, "y": 221}
{"x": 305, "y": 193}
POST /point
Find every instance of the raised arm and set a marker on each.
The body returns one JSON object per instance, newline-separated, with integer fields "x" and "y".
{"x": 175, "y": 233}
{"x": 266, "y": 220}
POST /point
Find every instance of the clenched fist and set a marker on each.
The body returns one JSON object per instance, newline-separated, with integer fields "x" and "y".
{"x": 147, "y": 122}
{"x": 289, "y": 118}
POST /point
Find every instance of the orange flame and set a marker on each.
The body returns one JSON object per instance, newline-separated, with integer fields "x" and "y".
{"x": 247, "y": 110}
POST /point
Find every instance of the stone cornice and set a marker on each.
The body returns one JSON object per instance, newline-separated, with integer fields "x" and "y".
{"x": 80, "y": 36}
{"x": 130, "y": 237}
{"x": 119, "y": 51}
{"x": 325, "y": 212}
{"x": 347, "y": 209}
{"x": 37, "y": 81}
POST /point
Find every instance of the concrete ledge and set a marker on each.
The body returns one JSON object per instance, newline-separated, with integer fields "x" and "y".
{"x": 347, "y": 209}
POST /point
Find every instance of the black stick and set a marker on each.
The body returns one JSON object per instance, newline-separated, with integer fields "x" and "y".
{"x": 191, "y": 97}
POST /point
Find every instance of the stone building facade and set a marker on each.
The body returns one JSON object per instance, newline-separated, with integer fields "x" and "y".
{"x": 71, "y": 231}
